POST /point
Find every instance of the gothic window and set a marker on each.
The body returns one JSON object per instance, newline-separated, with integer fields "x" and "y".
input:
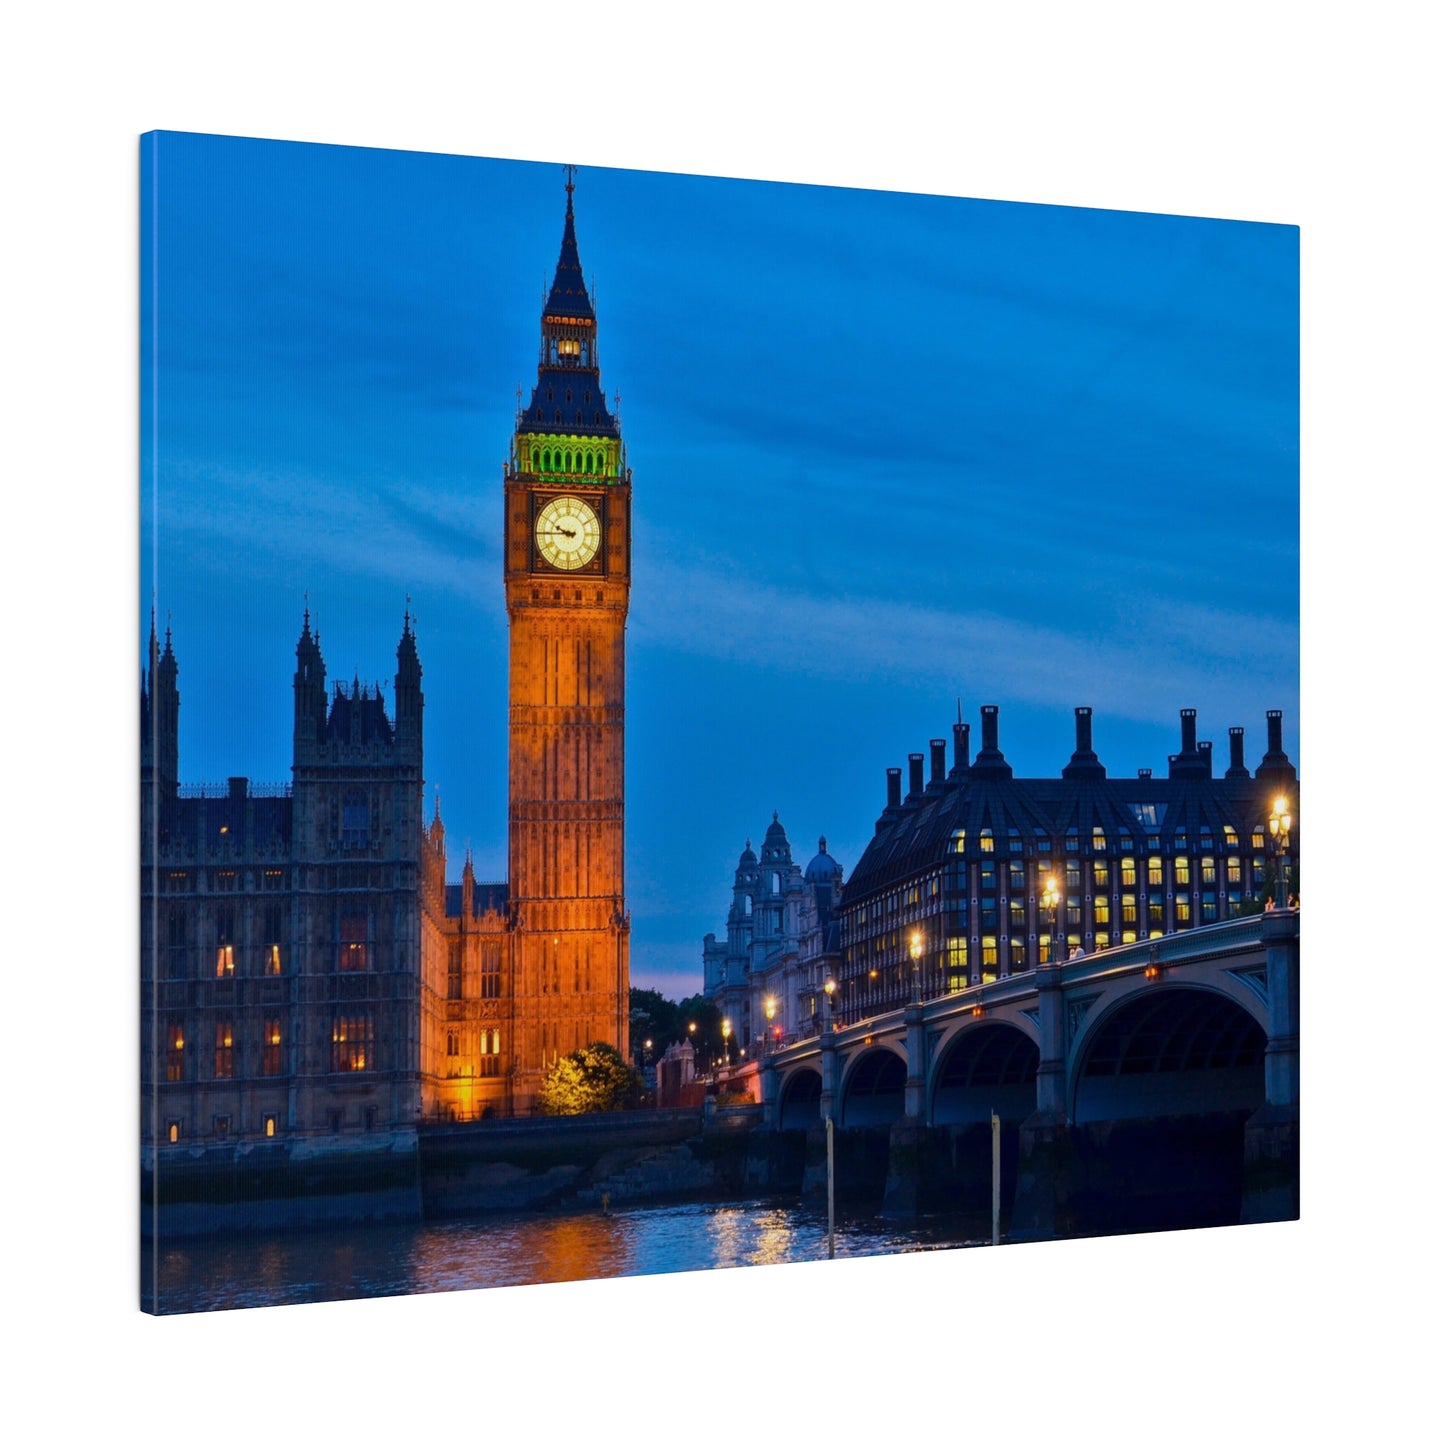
{"x": 351, "y": 942}
{"x": 352, "y": 1036}
{"x": 176, "y": 945}
{"x": 175, "y": 1054}
{"x": 454, "y": 1047}
{"x": 454, "y": 969}
{"x": 225, "y": 1051}
{"x": 355, "y": 820}
{"x": 268, "y": 1125}
{"x": 225, "y": 942}
{"x": 173, "y": 1130}
{"x": 491, "y": 970}
{"x": 271, "y": 1047}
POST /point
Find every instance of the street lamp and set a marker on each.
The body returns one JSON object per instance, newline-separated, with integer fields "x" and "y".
{"x": 830, "y": 987}
{"x": 1280, "y": 822}
{"x": 770, "y": 1008}
{"x": 1050, "y": 899}
{"x": 915, "y": 952}
{"x": 727, "y": 1028}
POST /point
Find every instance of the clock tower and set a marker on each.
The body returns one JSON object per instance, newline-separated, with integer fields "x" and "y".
{"x": 567, "y": 560}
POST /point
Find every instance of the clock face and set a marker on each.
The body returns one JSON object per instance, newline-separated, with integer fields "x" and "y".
{"x": 568, "y": 533}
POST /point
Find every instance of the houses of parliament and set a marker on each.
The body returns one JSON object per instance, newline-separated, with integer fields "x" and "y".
{"x": 308, "y": 974}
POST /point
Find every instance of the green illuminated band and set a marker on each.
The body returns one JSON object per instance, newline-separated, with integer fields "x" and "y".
{"x": 560, "y": 455}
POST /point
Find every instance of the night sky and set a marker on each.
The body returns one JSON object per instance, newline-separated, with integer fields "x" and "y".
{"x": 891, "y": 454}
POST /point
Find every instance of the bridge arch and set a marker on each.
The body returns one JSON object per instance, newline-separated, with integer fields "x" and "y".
{"x": 873, "y": 1088}
{"x": 982, "y": 1069}
{"x": 800, "y": 1099}
{"x": 1171, "y": 1049}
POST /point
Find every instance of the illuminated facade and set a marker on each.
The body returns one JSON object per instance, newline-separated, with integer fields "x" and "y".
{"x": 308, "y": 973}
{"x": 962, "y": 861}
{"x": 781, "y": 944}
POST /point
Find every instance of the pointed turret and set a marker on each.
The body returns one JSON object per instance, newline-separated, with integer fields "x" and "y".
{"x": 566, "y": 429}
{"x": 310, "y": 691}
{"x": 408, "y": 686}
{"x": 160, "y": 717}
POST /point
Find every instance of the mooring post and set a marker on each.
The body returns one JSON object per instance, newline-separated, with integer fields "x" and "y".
{"x": 997, "y": 1179}
{"x": 830, "y": 1186}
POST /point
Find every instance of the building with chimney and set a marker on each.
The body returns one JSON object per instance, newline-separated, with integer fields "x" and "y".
{"x": 961, "y": 863}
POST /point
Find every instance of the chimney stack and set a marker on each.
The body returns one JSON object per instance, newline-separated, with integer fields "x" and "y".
{"x": 1237, "y": 768}
{"x": 989, "y": 714}
{"x": 895, "y": 787}
{"x": 915, "y": 776}
{"x": 938, "y": 751}
{"x": 1186, "y": 730}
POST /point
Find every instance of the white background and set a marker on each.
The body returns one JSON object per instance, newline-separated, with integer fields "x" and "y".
{"x": 1260, "y": 111}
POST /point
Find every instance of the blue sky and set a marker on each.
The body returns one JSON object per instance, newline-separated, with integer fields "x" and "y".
{"x": 890, "y": 452}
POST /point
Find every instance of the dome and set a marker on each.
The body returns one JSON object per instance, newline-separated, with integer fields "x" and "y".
{"x": 822, "y": 867}
{"x": 775, "y": 843}
{"x": 747, "y": 855}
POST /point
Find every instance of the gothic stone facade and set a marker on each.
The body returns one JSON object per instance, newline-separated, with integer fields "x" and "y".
{"x": 307, "y": 970}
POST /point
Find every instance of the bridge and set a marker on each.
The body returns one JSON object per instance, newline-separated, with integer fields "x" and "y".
{"x": 1169, "y": 1067}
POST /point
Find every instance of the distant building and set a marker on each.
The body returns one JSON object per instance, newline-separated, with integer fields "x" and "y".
{"x": 781, "y": 944}
{"x": 961, "y": 860}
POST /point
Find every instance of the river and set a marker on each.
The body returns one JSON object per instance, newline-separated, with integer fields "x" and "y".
{"x": 371, "y": 1261}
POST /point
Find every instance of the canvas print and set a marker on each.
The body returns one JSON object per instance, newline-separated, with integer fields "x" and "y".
{"x": 691, "y": 722}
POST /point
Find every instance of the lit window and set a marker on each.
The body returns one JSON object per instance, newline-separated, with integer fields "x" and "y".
{"x": 1208, "y": 875}
{"x": 225, "y": 1052}
{"x": 1231, "y": 838}
{"x": 1181, "y": 912}
{"x": 989, "y": 958}
{"x": 1101, "y": 913}
{"x": 175, "y": 1055}
{"x": 985, "y": 840}
{"x": 1156, "y": 872}
{"x": 1181, "y": 872}
{"x": 1099, "y": 845}
{"x": 352, "y": 1036}
{"x": 173, "y": 1130}
{"x": 268, "y": 1125}
{"x": 956, "y": 968}
{"x": 1156, "y": 910}
{"x": 1256, "y": 839}
{"x": 1101, "y": 874}
{"x": 1128, "y": 873}
{"x": 1129, "y": 908}
{"x": 225, "y": 961}
{"x": 1232, "y": 871}
{"x": 273, "y": 959}
{"x": 351, "y": 955}
{"x": 271, "y": 1047}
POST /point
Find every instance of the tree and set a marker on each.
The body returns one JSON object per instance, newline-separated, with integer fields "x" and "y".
{"x": 591, "y": 1080}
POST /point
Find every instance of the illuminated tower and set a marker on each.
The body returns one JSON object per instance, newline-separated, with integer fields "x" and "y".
{"x": 568, "y": 569}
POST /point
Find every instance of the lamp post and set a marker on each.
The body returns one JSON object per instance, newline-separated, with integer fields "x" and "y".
{"x": 770, "y": 1008}
{"x": 830, "y": 987}
{"x": 915, "y": 952}
{"x": 1050, "y": 899}
{"x": 727, "y": 1031}
{"x": 1280, "y": 822}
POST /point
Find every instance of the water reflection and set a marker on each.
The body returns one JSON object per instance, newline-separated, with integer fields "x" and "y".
{"x": 356, "y": 1262}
